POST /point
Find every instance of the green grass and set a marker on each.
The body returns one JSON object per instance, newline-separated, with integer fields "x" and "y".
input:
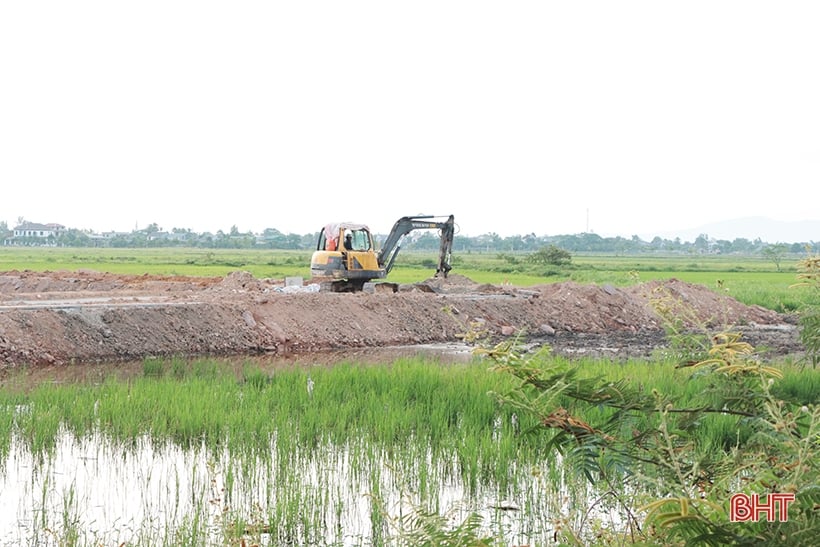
{"x": 162, "y": 261}
{"x": 203, "y": 401}
{"x": 402, "y": 405}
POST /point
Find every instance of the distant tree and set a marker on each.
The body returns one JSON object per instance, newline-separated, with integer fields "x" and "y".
{"x": 702, "y": 243}
{"x": 551, "y": 255}
{"x": 293, "y": 241}
{"x": 274, "y": 239}
{"x": 740, "y": 245}
{"x": 271, "y": 233}
{"x": 530, "y": 240}
{"x": 490, "y": 241}
{"x": 75, "y": 238}
{"x": 514, "y": 243}
{"x": 775, "y": 253}
{"x": 677, "y": 243}
{"x": 657, "y": 243}
{"x": 723, "y": 246}
{"x": 205, "y": 240}
{"x": 308, "y": 241}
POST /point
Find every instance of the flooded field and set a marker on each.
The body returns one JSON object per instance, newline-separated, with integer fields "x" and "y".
{"x": 92, "y": 491}
{"x": 276, "y": 453}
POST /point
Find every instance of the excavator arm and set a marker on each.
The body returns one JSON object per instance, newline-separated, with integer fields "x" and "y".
{"x": 405, "y": 225}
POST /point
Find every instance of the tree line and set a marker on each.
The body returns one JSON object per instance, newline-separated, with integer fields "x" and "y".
{"x": 271, "y": 238}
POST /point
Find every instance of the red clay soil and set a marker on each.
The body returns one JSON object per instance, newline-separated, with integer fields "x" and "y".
{"x": 87, "y": 316}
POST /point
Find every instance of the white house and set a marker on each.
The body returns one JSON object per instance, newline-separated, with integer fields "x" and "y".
{"x": 29, "y": 233}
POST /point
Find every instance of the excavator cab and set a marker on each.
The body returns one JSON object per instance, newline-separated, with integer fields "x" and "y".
{"x": 345, "y": 251}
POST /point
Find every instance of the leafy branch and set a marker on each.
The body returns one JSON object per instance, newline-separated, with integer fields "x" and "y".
{"x": 651, "y": 442}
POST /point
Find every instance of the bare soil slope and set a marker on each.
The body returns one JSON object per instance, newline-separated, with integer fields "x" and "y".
{"x": 86, "y": 316}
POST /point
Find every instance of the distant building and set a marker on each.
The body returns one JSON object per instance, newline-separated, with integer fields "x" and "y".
{"x": 33, "y": 233}
{"x": 111, "y": 235}
{"x": 168, "y": 236}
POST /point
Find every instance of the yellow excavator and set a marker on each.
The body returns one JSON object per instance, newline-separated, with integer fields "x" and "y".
{"x": 346, "y": 254}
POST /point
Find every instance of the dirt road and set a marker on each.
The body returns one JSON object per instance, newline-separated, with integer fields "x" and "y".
{"x": 86, "y": 316}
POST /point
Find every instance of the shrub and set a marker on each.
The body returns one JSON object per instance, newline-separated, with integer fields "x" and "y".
{"x": 648, "y": 453}
{"x": 551, "y": 255}
{"x": 810, "y": 312}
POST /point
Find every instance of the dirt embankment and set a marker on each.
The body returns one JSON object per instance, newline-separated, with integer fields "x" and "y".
{"x": 65, "y": 317}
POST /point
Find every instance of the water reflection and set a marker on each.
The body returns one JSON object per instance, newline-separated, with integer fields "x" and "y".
{"x": 98, "y": 372}
{"x": 100, "y": 492}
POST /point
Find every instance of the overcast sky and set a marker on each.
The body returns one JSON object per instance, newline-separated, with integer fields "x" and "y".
{"x": 621, "y": 118}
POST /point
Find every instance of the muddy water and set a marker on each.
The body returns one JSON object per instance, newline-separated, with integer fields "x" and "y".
{"x": 97, "y": 372}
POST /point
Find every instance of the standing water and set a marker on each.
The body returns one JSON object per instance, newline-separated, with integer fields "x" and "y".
{"x": 345, "y": 455}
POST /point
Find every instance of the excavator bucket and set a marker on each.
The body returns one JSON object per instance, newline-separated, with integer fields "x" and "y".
{"x": 446, "y": 249}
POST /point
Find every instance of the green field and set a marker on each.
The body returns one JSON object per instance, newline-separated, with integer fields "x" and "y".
{"x": 751, "y": 280}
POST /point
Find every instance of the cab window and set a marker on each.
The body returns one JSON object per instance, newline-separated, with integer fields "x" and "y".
{"x": 358, "y": 240}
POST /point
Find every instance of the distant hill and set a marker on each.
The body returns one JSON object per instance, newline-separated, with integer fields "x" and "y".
{"x": 751, "y": 228}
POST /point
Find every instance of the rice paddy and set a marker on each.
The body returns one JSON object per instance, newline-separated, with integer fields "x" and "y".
{"x": 203, "y": 453}
{"x": 189, "y": 453}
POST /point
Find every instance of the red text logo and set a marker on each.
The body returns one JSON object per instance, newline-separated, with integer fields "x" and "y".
{"x": 773, "y": 507}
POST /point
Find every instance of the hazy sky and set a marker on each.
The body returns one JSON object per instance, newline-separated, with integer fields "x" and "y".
{"x": 549, "y": 117}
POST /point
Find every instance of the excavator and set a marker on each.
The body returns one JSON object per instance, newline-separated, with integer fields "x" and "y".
{"x": 346, "y": 256}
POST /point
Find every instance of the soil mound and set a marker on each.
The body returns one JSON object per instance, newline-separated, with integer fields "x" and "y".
{"x": 699, "y": 303}
{"x": 85, "y": 316}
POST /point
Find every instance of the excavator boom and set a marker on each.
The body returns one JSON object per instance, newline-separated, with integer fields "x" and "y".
{"x": 405, "y": 225}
